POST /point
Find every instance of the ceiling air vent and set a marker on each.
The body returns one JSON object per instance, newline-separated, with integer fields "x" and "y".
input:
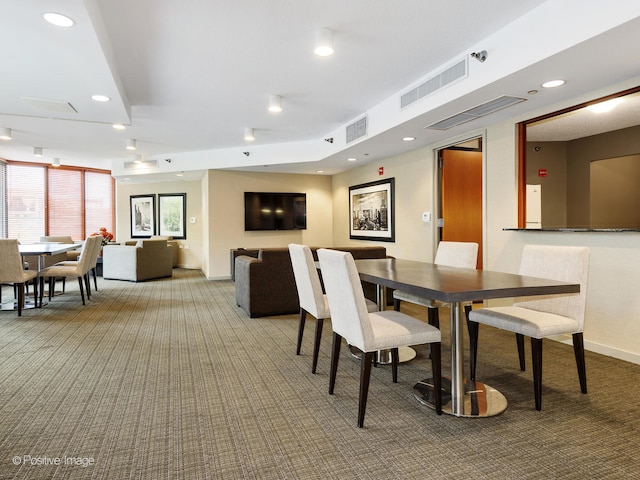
{"x": 357, "y": 130}
{"x": 50, "y": 105}
{"x": 435, "y": 83}
{"x": 476, "y": 112}
{"x": 141, "y": 164}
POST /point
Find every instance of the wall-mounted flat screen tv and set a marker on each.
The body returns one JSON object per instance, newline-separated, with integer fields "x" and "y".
{"x": 275, "y": 211}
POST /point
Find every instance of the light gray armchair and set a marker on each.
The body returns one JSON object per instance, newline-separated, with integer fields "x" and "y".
{"x": 146, "y": 260}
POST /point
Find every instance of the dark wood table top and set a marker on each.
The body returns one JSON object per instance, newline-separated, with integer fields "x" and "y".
{"x": 452, "y": 284}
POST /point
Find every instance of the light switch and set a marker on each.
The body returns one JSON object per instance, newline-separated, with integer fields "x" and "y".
{"x": 192, "y": 219}
{"x": 426, "y": 216}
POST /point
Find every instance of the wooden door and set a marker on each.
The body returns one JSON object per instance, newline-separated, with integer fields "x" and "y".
{"x": 461, "y": 197}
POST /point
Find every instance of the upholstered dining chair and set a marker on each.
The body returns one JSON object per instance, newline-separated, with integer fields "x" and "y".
{"x": 94, "y": 253}
{"x": 450, "y": 254}
{"x": 311, "y": 296}
{"x": 369, "y": 331}
{"x": 539, "y": 317}
{"x": 12, "y": 270}
{"x": 77, "y": 269}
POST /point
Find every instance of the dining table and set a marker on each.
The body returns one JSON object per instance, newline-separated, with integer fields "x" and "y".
{"x": 41, "y": 250}
{"x": 456, "y": 287}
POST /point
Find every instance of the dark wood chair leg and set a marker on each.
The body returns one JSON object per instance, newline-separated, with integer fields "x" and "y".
{"x": 303, "y": 317}
{"x": 20, "y": 287}
{"x": 474, "y": 330}
{"x": 536, "y": 360}
{"x": 87, "y": 284}
{"x": 520, "y": 343}
{"x": 52, "y": 287}
{"x": 436, "y": 367}
{"x": 395, "y": 359}
{"x": 95, "y": 278}
{"x": 365, "y": 376}
{"x": 335, "y": 356}
{"x": 396, "y": 304}
{"x": 316, "y": 343}
{"x": 433, "y": 316}
{"x": 578, "y": 349}
{"x": 81, "y": 289}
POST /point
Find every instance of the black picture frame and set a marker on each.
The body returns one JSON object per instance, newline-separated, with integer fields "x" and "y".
{"x": 172, "y": 213}
{"x": 143, "y": 216}
{"x": 371, "y": 211}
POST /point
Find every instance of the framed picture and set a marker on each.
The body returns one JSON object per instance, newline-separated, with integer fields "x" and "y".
{"x": 172, "y": 212}
{"x": 371, "y": 211}
{"x": 143, "y": 216}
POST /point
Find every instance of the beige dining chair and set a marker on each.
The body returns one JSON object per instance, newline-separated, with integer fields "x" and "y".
{"x": 77, "y": 269}
{"x": 369, "y": 331}
{"x": 94, "y": 253}
{"x": 12, "y": 271}
{"x": 311, "y": 296}
{"x": 545, "y": 316}
{"x": 449, "y": 254}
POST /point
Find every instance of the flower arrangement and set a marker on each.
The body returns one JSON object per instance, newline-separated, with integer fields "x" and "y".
{"x": 106, "y": 236}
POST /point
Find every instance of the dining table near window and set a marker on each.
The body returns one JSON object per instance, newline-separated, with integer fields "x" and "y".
{"x": 456, "y": 286}
{"x": 43, "y": 249}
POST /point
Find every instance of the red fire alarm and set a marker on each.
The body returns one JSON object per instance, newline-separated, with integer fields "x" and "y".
{"x": 380, "y": 170}
{"x": 542, "y": 172}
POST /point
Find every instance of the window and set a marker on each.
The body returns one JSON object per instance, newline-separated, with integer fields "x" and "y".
{"x": 41, "y": 200}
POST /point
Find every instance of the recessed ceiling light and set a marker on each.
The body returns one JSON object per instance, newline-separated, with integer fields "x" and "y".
{"x": 180, "y": 174}
{"x": 604, "y": 106}
{"x": 408, "y": 139}
{"x": 100, "y": 98}
{"x": 249, "y": 135}
{"x": 58, "y": 19}
{"x": 319, "y": 171}
{"x": 351, "y": 159}
{"x": 553, "y": 83}
{"x": 119, "y": 126}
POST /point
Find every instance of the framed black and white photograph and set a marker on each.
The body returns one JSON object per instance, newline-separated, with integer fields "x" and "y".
{"x": 143, "y": 216}
{"x": 172, "y": 212}
{"x": 371, "y": 211}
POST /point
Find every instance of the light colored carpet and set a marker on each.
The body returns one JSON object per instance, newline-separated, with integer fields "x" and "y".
{"x": 170, "y": 379}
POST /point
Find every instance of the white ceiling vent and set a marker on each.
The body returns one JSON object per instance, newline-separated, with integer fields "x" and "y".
{"x": 476, "y": 112}
{"x": 357, "y": 130}
{"x": 50, "y": 105}
{"x": 435, "y": 83}
{"x": 141, "y": 164}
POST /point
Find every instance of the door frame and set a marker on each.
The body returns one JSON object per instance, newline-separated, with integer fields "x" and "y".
{"x": 437, "y": 190}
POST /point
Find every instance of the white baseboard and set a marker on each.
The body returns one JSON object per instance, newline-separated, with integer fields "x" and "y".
{"x": 603, "y": 349}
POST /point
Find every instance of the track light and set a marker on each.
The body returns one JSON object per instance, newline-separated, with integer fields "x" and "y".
{"x": 275, "y": 103}
{"x": 5, "y": 133}
{"x": 480, "y": 56}
{"x": 131, "y": 144}
{"x": 56, "y": 162}
{"x": 324, "y": 42}
{"x": 330, "y": 139}
{"x": 249, "y": 135}
{"x": 246, "y": 154}
{"x": 37, "y": 151}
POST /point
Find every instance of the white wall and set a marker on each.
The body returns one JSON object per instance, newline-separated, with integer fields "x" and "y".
{"x": 190, "y": 252}
{"x": 613, "y": 308}
{"x": 226, "y": 214}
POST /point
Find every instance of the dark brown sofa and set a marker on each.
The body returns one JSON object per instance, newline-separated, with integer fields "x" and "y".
{"x": 265, "y": 284}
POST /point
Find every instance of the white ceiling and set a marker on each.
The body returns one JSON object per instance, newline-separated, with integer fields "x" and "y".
{"x": 187, "y": 77}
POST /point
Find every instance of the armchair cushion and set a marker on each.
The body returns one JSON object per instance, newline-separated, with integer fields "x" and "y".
{"x": 152, "y": 259}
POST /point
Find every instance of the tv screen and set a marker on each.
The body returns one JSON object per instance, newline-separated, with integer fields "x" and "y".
{"x": 275, "y": 211}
